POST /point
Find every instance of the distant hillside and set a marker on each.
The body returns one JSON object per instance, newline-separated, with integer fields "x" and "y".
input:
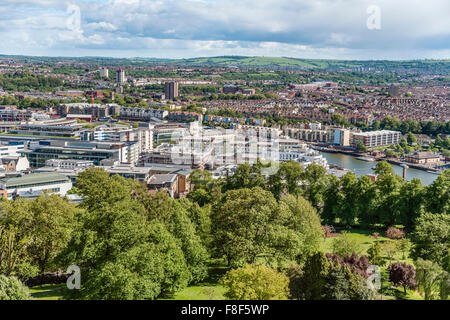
{"x": 250, "y": 61}
{"x": 239, "y": 61}
{"x": 440, "y": 67}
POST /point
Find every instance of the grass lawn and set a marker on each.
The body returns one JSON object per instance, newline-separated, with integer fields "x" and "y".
{"x": 200, "y": 292}
{"x": 207, "y": 290}
{"x": 48, "y": 291}
{"x": 363, "y": 237}
{"x": 399, "y": 294}
{"x": 365, "y": 240}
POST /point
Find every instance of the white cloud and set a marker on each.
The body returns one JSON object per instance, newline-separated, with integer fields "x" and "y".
{"x": 106, "y": 26}
{"x": 320, "y": 28}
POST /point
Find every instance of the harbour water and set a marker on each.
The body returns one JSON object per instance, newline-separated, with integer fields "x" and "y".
{"x": 360, "y": 167}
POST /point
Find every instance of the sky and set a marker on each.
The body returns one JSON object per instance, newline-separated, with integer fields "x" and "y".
{"x": 323, "y": 29}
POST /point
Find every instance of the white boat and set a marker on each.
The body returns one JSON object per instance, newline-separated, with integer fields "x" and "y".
{"x": 369, "y": 159}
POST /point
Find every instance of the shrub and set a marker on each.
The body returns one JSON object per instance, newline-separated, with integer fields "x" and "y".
{"x": 355, "y": 263}
{"x": 255, "y": 283}
{"x": 345, "y": 245}
{"x": 375, "y": 256}
{"x": 402, "y": 274}
{"x": 12, "y": 289}
{"x": 395, "y": 233}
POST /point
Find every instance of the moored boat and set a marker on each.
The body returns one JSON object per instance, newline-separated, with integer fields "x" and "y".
{"x": 369, "y": 159}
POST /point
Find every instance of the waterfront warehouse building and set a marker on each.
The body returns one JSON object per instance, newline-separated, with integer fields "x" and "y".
{"x": 376, "y": 138}
{"x": 423, "y": 157}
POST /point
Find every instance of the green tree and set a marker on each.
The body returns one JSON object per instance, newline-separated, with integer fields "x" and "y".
{"x": 446, "y": 261}
{"x": 344, "y": 284}
{"x": 410, "y": 203}
{"x": 428, "y": 276}
{"x": 431, "y": 237}
{"x": 404, "y": 245}
{"x": 411, "y": 138}
{"x": 383, "y": 168}
{"x": 53, "y": 222}
{"x": 245, "y": 176}
{"x": 361, "y": 147}
{"x": 174, "y": 216}
{"x": 331, "y": 197}
{"x": 315, "y": 184}
{"x": 366, "y": 201}
{"x": 390, "y": 123}
{"x": 12, "y": 289}
{"x": 315, "y": 273}
{"x": 203, "y": 186}
{"x": 376, "y": 125}
{"x": 390, "y": 249}
{"x": 295, "y": 274}
{"x": 321, "y": 278}
{"x": 306, "y": 223}
{"x": 287, "y": 179}
{"x": 201, "y": 217}
{"x": 97, "y": 187}
{"x": 388, "y": 186}
{"x": 121, "y": 253}
{"x": 201, "y": 179}
{"x": 248, "y": 223}
{"x": 345, "y": 245}
{"x": 33, "y": 232}
{"x": 438, "y": 194}
{"x": 16, "y": 234}
{"x": 389, "y": 153}
{"x": 200, "y": 196}
{"x": 444, "y": 287}
{"x": 255, "y": 283}
{"x": 346, "y": 209}
{"x": 339, "y": 119}
{"x": 375, "y": 256}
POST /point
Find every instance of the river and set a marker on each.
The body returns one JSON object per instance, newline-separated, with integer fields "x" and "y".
{"x": 360, "y": 167}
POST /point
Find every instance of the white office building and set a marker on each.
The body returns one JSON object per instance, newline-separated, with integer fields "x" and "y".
{"x": 10, "y": 150}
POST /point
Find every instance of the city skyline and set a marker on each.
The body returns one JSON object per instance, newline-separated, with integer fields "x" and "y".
{"x": 360, "y": 30}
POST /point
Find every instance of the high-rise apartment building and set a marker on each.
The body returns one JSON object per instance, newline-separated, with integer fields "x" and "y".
{"x": 120, "y": 76}
{"x": 104, "y": 73}
{"x": 171, "y": 90}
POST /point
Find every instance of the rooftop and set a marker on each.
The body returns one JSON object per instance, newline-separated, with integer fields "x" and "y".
{"x": 424, "y": 155}
{"x": 34, "y": 178}
{"x": 159, "y": 179}
{"x": 375, "y": 133}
